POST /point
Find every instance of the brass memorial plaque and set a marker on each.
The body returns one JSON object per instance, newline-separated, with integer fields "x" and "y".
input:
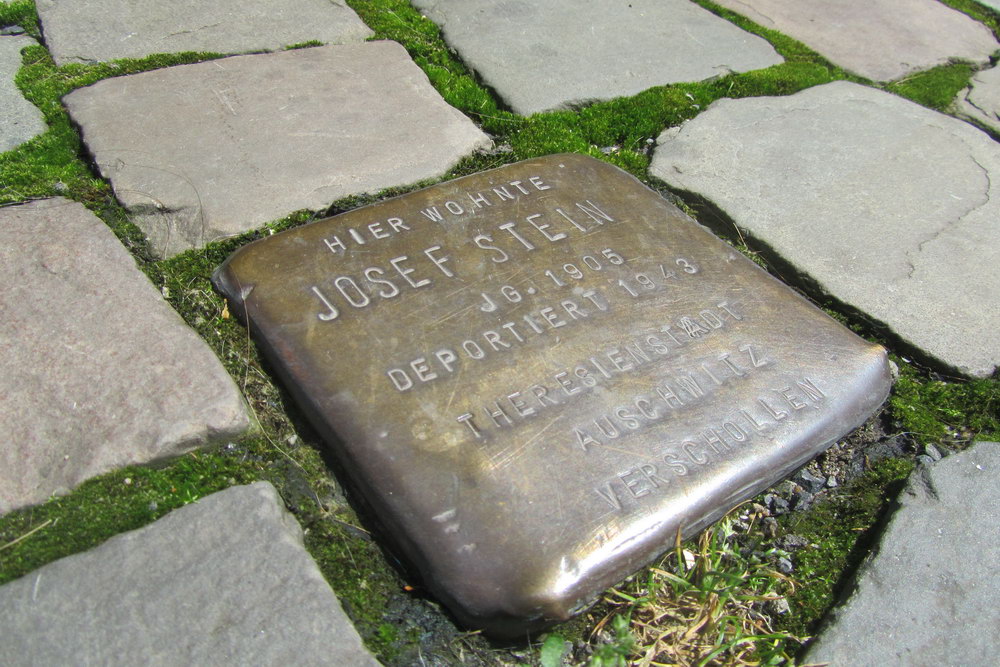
{"x": 537, "y": 374}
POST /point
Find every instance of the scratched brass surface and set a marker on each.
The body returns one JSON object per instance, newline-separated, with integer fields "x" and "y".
{"x": 536, "y": 374}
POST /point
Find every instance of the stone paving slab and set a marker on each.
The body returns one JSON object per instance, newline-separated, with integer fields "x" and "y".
{"x": 558, "y": 54}
{"x": 935, "y": 566}
{"x": 20, "y": 120}
{"x": 85, "y": 31}
{"x": 97, "y": 371}
{"x": 882, "y": 40}
{"x": 981, "y": 100}
{"x": 200, "y": 152}
{"x": 993, "y": 4}
{"x": 223, "y": 581}
{"x": 886, "y": 205}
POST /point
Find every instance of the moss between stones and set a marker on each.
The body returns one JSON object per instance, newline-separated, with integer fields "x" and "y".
{"x": 282, "y": 448}
{"x": 840, "y": 532}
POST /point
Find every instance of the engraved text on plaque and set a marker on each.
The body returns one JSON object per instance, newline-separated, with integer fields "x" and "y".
{"x": 537, "y": 374}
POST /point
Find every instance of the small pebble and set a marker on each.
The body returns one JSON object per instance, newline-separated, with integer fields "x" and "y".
{"x": 779, "y": 606}
{"x": 810, "y": 482}
{"x": 831, "y": 482}
{"x": 12, "y": 30}
{"x": 801, "y": 500}
{"x": 776, "y": 504}
{"x": 791, "y": 542}
{"x": 933, "y": 452}
{"x": 785, "y": 566}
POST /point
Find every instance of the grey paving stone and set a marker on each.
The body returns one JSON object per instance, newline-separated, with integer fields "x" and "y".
{"x": 882, "y": 40}
{"x": 223, "y": 581}
{"x": 84, "y": 31}
{"x": 981, "y": 100}
{"x": 994, "y": 4}
{"x": 886, "y": 205}
{"x": 97, "y": 370}
{"x": 557, "y": 54}
{"x": 20, "y": 120}
{"x": 200, "y": 152}
{"x": 928, "y": 595}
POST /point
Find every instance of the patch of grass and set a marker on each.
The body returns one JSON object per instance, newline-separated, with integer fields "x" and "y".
{"x": 701, "y": 605}
{"x": 840, "y": 531}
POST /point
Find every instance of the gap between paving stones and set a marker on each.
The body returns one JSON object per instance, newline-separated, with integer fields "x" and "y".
{"x": 928, "y": 563}
{"x": 195, "y": 307}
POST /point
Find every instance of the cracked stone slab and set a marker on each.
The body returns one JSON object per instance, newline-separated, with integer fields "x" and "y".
{"x": 981, "y": 100}
{"x": 97, "y": 371}
{"x": 20, "y": 120}
{"x": 934, "y": 563}
{"x": 882, "y": 40}
{"x": 885, "y": 205}
{"x": 86, "y": 31}
{"x": 556, "y": 54}
{"x": 222, "y": 581}
{"x": 201, "y": 152}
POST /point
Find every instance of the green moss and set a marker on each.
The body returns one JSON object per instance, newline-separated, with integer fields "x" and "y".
{"x": 361, "y": 578}
{"x": 939, "y": 412}
{"x": 304, "y": 45}
{"x": 934, "y": 88}
{"x": 840, "y": 531}
{"x": 111, "y": 504}
{"x": 22, "y": 13}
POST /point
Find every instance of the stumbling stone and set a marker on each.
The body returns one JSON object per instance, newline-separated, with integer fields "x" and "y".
{"x": 254, "y": 138}
{"x": 882, "y": 40}
{"x": 886, "y": 205}
{"x": 539, "y": 374}
{"x": 86, "y": 31}
{"x": 222, "y": 581}
{"x": 981, "y": 100}
{"x": 540, "y": 56}
{"x": 20, "y": 120}
{"x": 932, "y": 562}
{"x": 98, "y": 372}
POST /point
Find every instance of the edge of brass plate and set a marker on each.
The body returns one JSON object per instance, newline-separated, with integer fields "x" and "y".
{"x": 677, "y": 382}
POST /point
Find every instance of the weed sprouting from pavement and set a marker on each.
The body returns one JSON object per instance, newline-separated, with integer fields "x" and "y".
{"x": 705, "y": 603}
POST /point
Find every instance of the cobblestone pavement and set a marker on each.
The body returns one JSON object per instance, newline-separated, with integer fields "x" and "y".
{"x": 886, "y": 206}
